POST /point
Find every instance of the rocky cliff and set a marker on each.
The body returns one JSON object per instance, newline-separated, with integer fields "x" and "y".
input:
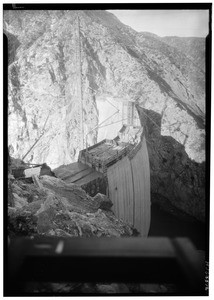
{"x": 192, "y": 47}
{"x": 118, "y": 63}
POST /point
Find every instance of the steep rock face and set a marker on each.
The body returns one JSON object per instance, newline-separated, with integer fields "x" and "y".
{"x": 116, "y": 62}
{"x": 13, "y": 44}
{"x": 174, "y": 176}
{"x": 178, "y": 95}
{"x": 43, "y": 90}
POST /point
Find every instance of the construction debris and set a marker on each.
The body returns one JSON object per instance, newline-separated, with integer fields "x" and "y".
{"x": 21, "y": 170}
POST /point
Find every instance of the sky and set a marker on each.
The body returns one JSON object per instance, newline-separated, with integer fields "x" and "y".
{"x": 183, "y": 23}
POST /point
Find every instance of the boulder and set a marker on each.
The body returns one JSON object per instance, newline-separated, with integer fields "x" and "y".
{"x": 103, "y": 201}
{"x": 61, "y": 209}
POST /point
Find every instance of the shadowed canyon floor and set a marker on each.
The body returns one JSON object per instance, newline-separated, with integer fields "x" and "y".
{"x": 165, "y": 224}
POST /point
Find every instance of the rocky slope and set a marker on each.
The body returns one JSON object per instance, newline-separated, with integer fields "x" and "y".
{"x": 193, "y": 47}
{"x": 50, "y": 207}
{"x": 117, "y": 62}
{"x": 55, "y": 208}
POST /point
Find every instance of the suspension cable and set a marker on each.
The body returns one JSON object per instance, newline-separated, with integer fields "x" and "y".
{"x": 113, "y": 123}
{"x": 98, "y": 127}
{"x": 112, "y": 104}
{"x": 152, "y": 120}
{"x": 42, "y": 133}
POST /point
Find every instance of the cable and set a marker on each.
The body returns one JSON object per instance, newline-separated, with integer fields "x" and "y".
{"x": 42, "y": 133}
{"x": 113, "y": 123}
{"x": 112, "y": 105}
{"x": 102, "y": 123}
{"x": 152, "y": 121}
{"x": 186, "y": 135}
{"x": 98, "y": 126}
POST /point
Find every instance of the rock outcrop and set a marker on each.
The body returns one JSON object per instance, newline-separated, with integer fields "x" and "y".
{"x": 116, "y": 62}
{"x": 56, "y": 208}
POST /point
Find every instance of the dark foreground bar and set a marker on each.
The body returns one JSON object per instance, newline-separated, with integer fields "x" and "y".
{"x": 150, "y": 260}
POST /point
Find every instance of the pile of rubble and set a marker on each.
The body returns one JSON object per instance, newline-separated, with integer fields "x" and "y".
{"x": 46, "y": 205}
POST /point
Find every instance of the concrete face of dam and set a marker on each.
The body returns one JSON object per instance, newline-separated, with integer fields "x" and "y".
{"x": 129, "y": 189}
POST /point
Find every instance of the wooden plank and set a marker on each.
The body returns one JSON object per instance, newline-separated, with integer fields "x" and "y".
{"x": 66, "y": 171}
{"x": 107, "y": 152}
{"x": 32, "y": 171}
{"x": 94, "y": 146}
{"x": 79, "y": 175}
{"x": 90, "y": 177}
{"x": 100, "y": 148}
